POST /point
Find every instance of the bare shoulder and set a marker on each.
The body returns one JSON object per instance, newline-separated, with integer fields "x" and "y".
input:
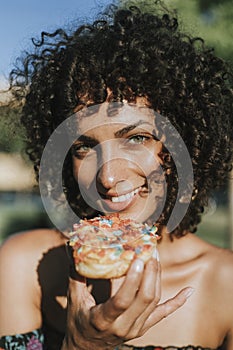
{"x": 33, "y": 241}
{"x": 20, "y": 255}
{"x": 27, "y": 247}
{"x": 222, "y": 287}
{"x": 217, "y": 260}
{"x": 214, "y": 266}
{"x": 218, "y": 264}
{"x": 223, "y": 265}
{"x": 220, "y": 260}
{"x": 22, "y": 252}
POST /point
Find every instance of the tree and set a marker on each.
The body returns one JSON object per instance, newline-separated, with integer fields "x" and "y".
{"x": 210, "y": 19}
{"x": 12, "y": 134}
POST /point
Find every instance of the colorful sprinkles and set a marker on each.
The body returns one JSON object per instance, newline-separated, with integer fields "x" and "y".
{"x": 110, "y": 230}
{"x": 124, "y": 237}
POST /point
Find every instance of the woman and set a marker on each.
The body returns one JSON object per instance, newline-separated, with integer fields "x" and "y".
{"x": 138, "y": 89}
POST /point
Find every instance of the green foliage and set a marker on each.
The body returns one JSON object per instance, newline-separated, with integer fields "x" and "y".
{"x": 213, "y": 23}
{"x": 11, "y": 132}
{"x": 211, "y": 20}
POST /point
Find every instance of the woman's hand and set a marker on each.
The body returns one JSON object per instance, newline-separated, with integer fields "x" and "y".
{"x": 126, "y": 315}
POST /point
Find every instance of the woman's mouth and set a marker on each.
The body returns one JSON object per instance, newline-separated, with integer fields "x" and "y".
{"x": 121, "y": 202}
{"x": 124, "y": 197}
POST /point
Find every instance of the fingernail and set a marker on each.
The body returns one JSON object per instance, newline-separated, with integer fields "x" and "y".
{"x": 138, "y": 265}
{"x": 156, "y": 255}
{"x": 189, "y": 292}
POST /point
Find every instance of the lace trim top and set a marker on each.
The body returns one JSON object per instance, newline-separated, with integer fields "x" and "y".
{"x": 35, "y": 341}
{"x": 152, "y": 347}
{"x": 189, "y": 347}
{"x": 29, "y": 341}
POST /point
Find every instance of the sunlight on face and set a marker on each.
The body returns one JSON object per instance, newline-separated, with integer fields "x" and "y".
{"x": 116, "y": 161}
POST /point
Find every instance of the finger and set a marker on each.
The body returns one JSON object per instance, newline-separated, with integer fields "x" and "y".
{"x": 168, "y": 307}
{"x": 129, "y": 288}
{"x": 151, "y": 283}
{"x": 145, "y": 301}
{"x": 105, "y": 314}
{"x": 135, "y": 330}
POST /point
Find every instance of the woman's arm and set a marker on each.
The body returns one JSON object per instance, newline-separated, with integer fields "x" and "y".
{"x": 19, "y": 292}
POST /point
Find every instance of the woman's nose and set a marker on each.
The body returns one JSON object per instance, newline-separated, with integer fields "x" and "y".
{"x": 112, "y": 166}
{"x": 110, "y": 173}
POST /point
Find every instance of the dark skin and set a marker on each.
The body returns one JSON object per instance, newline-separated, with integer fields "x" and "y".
{"x": 144, "y": 63}
{"x": 175, "y": 274}
{"x": 81, "y": 299}
{"x": 145, "y": 307}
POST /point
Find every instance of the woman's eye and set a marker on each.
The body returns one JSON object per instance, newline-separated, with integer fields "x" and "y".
{"x": 81, "y": 150}
{"x": 138, "y": 139}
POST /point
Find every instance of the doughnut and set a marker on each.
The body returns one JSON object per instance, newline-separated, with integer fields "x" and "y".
{"x": 104, "y": 247}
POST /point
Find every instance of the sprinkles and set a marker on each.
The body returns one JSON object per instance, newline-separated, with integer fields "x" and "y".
{"x": 108, "y": 240}
{"x": 109, "y": 231}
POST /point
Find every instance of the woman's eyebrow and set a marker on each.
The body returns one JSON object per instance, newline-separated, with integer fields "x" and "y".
{"x": 84, "y": 138}
{"x": 128, "y": 128}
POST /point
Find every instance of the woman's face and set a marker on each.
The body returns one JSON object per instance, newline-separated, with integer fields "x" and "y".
{"x": 116, "y": 161}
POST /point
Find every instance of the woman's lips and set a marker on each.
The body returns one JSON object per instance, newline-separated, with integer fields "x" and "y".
{"x": 119, "y": 203}
{"x": 124, "y": 197}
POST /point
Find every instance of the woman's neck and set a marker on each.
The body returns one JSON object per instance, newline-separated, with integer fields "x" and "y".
{"x": 179, "y": 250}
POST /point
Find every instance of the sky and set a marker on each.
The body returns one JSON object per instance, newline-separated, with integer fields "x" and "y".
{"x": 20, "y": 20}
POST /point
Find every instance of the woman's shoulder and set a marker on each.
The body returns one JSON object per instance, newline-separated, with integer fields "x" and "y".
{"x": 219, "y": 258}
{"x": 36, "y": 237}
{"x": 213, "y": 271}
{"x": 221, "y": 286}
{"x": 214, "y": 262}
{"x": 209, "y": 250}
{"x": 217, "y": 262}
{"x": 20, "y": 256}
{"x": 222, "y": 267}
{"x": 26, "y": 248}
{"x": 216, "y": 259}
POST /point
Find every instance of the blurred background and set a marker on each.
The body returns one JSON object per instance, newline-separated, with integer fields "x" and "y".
{"x": 20, "y": 204}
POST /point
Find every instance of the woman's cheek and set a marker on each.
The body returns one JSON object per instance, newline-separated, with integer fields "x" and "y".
{"x": 84, "y": 172}
{"x": 148, "y": 162}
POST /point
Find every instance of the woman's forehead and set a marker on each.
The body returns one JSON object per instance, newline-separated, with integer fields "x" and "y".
{"x": 110, "y": 114}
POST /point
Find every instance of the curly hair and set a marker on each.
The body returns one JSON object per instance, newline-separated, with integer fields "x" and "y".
{"x": 133, "y": 54}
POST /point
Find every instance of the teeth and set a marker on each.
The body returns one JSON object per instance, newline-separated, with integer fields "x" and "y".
{"x": 124, "y": 197}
